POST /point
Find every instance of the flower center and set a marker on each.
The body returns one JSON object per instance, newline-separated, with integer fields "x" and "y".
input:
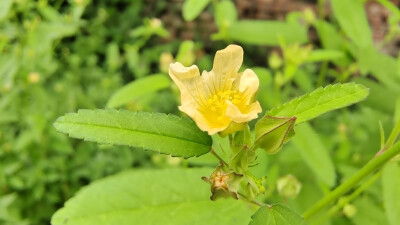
{"x": 220, "y": 180}
{"x": 217, "y": 102}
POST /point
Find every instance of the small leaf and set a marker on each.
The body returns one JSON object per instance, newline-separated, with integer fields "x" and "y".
{"x": 267, "y": 32}
{"x": 383, "y": 67}
{"x": 113, "y": 58}
{"x": 369, "y": 212}
{"x": 273, "y": 132}
{"x": 276, "y": 215}
{"x": 378, "y": 91}
{"x": 329, "y": 35}
{"x": 324, "y": 55}
{"x": 192, "y": 8}
{"x": 391, "y": 191}
{"x": 186, "y": 54}
{"x": 314, "y": 153}
{"x": 5, "y": 6}
{"x": 148, "y": 197}
{"x": 241, "y": 155}
{"x": 225, "y": 14}
{"x": 353, "y": 20}
{"x": 159, "y": 132}
{"x": 320, "y": 101}
{"x": 138, "y": 88}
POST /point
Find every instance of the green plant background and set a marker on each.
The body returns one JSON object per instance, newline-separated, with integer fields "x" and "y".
{"x": 58, "y": 56}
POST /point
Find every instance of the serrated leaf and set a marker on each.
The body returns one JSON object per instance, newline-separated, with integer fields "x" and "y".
{"x": 353, "y": 20}
{"x": 276, "y": 215}
{"x": 320, "y": 101}
{"x": 148, "y": 197}
{"x": 267, "y": 32}
{"x": 314, "y": 153}
{"x": 159, "y": 132}
{"x": 138, "y": 88}
{"x": 192, "y": 8}
{"x": 391, "y": 191}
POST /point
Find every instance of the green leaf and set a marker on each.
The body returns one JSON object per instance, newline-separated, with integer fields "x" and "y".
{"x": 369, "y": 212}
{"x": 138, "y": 88}
{"x": 148, "y": 197}
{"x": 192, "y": 8}
{"x": 225, "y": 14}
{"x": 331, "y": 39}
{"x": 324, "y": 55}
{"x": 159, "y": 132}
{"x": 391, "y": 191}
{"x": 353, "y": 20}
{"x": 383, "y": 67}
{"x": 320, "y": 101}
{"x": 314, "y": 153}
{"x": 5, "y": 6}
{"x": 329, "y": 35}
{"x": 113, "y": 58}
{"x": 186, "y": 54}
{"x": 273, "y": 132}
{"x": 378, "y": 91}
{"x": 276, "y": 215}
{"x": 267, "y": 32}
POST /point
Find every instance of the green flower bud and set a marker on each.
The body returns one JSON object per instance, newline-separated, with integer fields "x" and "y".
{"x": 349, "y": 210}
{"x": 166, "y": 59}
{"x": 275, "y": 61}
{"x": 288, "y": 186}
{"x": 309, "y": 16}
{"x": 273, "y": 132}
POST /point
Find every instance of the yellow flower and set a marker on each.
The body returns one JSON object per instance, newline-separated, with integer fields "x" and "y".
{"x": 217, "y": 98}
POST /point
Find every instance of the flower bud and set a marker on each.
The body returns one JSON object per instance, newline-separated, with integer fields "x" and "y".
{"x": 349, "y": 210}
{"x": 273, "y": 132}
{"x": 33, "y": 77}
{"x": 155, "y": 23}
{"x": 275, "y": 61}
{"x": 309, "y": 16}
{"x": 166, "y": 59}
{"x": 288, "y": 186}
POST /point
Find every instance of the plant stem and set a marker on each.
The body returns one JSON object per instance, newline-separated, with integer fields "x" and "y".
{"x": 322, "y": 74}
{"x": 218, "y": 157}
{"x": 392, "y": 138}
{"x": 393, "y": 135}
{"x": 251, "y": 201}
{"x": 371, "y": 166}
{"x": 349, "y": 198}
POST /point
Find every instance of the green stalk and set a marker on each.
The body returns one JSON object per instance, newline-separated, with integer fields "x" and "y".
{"x": 370, "y": 167}
{"x": 393, "y": 135}
{"x": 349, "y": 198}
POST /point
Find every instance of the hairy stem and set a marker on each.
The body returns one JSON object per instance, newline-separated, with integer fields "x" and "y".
{"x": 370, "y": 167}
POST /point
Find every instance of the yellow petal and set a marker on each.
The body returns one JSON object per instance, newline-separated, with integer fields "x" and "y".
{"x": 227, "y": 63}
{"x": 248, "y": 85}
{"x": 189, "y": 83}
{"x": 250, "y": 113}
{"x": 181, "y": 74}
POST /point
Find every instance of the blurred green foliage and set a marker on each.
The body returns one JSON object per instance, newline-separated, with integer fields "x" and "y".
{"x": 58, "y": 56}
